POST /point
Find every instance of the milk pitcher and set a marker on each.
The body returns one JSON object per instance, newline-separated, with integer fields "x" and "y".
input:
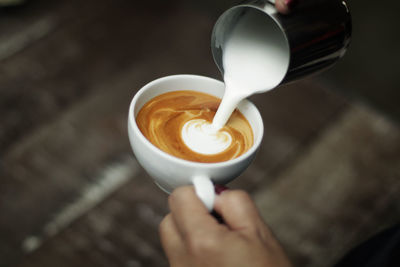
{"x": 309, "y": 39}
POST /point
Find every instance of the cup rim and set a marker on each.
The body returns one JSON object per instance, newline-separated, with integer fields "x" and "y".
{"x": 143, "y": 139}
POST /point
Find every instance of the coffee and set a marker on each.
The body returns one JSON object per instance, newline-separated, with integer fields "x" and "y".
{"x": 179, "y": 123}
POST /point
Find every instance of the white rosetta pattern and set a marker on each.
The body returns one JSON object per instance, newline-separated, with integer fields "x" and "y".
{"x": 201, "y": 137}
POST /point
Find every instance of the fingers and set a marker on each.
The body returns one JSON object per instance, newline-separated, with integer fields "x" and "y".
{"x": 284, "y": 6}
{"x": 172, "y": 242}
{"x": 239, "y": 211}
{"x": 189, "y": 213}
{"x": 170, "y": 237}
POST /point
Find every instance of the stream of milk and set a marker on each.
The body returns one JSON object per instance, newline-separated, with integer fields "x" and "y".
{"x": 255, "y": 59}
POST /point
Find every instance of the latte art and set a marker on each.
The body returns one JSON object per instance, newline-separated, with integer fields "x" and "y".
{"x": 179, "y": 123}
{"x": 201, "y": 137}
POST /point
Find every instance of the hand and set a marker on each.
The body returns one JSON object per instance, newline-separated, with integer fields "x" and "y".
{"x": 284, "y": 6}
{"x": 192, "y": 237}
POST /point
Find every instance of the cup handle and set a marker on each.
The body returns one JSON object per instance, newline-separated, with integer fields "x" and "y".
{"x": 205, "y": 190}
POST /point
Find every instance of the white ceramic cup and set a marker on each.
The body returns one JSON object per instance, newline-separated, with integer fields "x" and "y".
{"x": 170, "y": 172}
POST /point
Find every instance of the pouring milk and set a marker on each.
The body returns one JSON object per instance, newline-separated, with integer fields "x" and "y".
{"x": 252, "y": 64}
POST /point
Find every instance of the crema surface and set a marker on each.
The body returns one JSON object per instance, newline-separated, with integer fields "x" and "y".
{"x": 179, "y": 123}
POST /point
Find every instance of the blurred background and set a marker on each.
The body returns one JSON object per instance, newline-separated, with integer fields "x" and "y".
{"x": 71, "y": 193}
